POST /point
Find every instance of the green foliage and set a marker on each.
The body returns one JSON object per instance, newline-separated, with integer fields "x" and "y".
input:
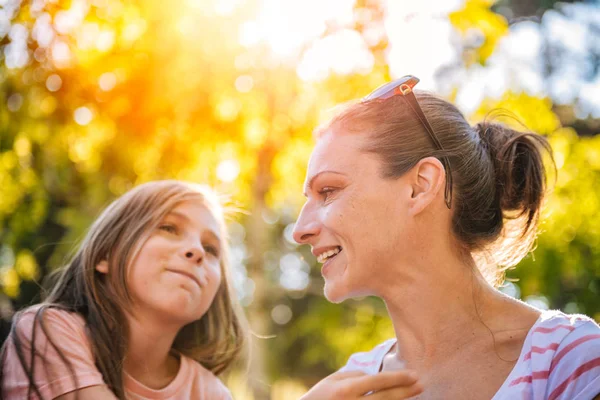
{"x": 148, "y": 92}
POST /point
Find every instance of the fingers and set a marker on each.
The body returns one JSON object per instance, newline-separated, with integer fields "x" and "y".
{"x": 398, "y": 393}
{"x": 384, "y": 381}
{"x": 357, "y": 385}
{"x": 340, "y": 375}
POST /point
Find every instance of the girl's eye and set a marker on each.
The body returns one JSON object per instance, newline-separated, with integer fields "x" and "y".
{"x": 212, "y": 250}
{"x": 168, "y": 228}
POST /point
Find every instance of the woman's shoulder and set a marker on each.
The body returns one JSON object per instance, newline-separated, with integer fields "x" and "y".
{"x": 564, "y": 350}
{"x": 559, "y": 328}
{"x": 369, "y": 361}
{"x": 557, "y": 336}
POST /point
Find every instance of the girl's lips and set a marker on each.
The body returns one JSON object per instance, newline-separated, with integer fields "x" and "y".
{"x": 187, "y": 274}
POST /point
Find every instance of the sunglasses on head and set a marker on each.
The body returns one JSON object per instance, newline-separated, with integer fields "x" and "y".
{"x": 404, "y": 87}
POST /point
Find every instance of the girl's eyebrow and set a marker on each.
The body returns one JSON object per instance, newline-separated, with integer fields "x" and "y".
{"x": 184, "y": 217}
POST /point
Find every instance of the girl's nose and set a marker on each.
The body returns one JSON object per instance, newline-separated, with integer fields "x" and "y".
{"x": 194, "y": 253}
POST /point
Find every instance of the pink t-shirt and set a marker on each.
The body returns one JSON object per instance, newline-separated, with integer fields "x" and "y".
{"x": 54, "y": 378}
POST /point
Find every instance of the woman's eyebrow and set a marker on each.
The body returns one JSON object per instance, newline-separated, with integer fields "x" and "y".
{"x": 309, "y": 185}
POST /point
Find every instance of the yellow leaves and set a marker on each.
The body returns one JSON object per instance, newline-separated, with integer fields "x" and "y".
{"x": 228, "y": 109}
{"x": 561, "y": 141}
{"x": 534, "y": 112}
{"x": 48, "y": 105}
{"x": 119, "y": 106}
{"x": 85, "y": 144}
{"x": 10, "y": 281}
{"x": 573, "y": 205}
{"x": 14, "y": 180}
{"x": 133, "y": 26}
{"x": 118, "y": 185}
{"x": 476, "y": 15}
{"x": 26, "y": 266}
{"x": 255, "y": 132}
{"x": 288, "y": 169}
{"x": 592, "y": 152}
{"x": 8, "y": 160}
{"x": 22, "y": 146}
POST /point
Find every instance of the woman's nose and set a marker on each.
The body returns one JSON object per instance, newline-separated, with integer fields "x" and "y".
{"x": 306, "y": 227}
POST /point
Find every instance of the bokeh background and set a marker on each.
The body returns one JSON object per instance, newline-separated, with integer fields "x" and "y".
{"x": 97, "y": 96}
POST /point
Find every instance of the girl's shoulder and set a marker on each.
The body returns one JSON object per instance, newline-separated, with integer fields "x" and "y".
{"x": 201, "y": 382}
{"x": 48, "y": 320}
{"x": 63, "y": 359}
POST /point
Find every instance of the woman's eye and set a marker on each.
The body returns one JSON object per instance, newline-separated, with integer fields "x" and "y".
{"x": 326, "y": 192}
{"x": 168, "y": 228}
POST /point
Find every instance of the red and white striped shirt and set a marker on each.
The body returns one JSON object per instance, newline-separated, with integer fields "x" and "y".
{"x": 560, "y": 360}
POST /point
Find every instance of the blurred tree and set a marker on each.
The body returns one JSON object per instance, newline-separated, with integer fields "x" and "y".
{"x": 101, "y": 95}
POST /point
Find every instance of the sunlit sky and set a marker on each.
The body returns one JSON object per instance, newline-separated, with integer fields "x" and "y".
{"x": 421, "y": 42}
{"x": 519, "y": 64}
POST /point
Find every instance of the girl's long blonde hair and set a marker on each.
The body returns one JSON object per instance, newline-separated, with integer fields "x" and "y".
{"x": 116, "y": 236}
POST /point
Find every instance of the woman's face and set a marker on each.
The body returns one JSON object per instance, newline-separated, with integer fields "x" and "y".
{"x": 177, "y": 272}
{"x": 353, "y": 218}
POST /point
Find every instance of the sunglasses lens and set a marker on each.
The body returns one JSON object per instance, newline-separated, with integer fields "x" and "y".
{"x": 383, "y": 92}
{"x": 388, "y": 90}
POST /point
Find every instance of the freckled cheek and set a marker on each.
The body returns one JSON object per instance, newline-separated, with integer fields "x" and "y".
{"x": 332, "y": 218}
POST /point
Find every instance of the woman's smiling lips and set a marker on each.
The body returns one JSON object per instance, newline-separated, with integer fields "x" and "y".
{"x": 318, "y": 251}
{"x": 325, "y": 256}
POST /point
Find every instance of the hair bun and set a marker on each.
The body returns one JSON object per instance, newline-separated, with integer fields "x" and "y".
{"x": 518, "y": 166}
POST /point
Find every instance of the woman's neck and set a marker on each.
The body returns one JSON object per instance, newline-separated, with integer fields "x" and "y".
{"x": 436, "y": 315}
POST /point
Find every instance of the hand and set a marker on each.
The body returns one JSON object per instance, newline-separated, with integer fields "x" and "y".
{"x": 356, "y": 385}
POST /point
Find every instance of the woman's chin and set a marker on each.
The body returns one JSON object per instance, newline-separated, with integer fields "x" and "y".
{"x": 335, "y": 292}
{"x": 340, "y": 288}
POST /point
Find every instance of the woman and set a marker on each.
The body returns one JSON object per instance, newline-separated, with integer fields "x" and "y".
{"x": 406, "y": 201}
{"x": 143, "y": 310}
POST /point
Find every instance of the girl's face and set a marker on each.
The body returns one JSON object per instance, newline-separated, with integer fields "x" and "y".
{"x": 177, "y": 272}
{"x": 352, "y": 216}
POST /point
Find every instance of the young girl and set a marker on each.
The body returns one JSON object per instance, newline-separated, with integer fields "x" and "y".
{"x": 144, "y": 309}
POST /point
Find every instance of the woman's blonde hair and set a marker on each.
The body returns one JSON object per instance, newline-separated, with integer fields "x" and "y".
{"x": 116, "y": 236}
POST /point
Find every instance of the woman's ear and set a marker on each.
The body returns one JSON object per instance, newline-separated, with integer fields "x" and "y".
{"x": 427, "y": 180}
{"x": 102, "y": 267}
